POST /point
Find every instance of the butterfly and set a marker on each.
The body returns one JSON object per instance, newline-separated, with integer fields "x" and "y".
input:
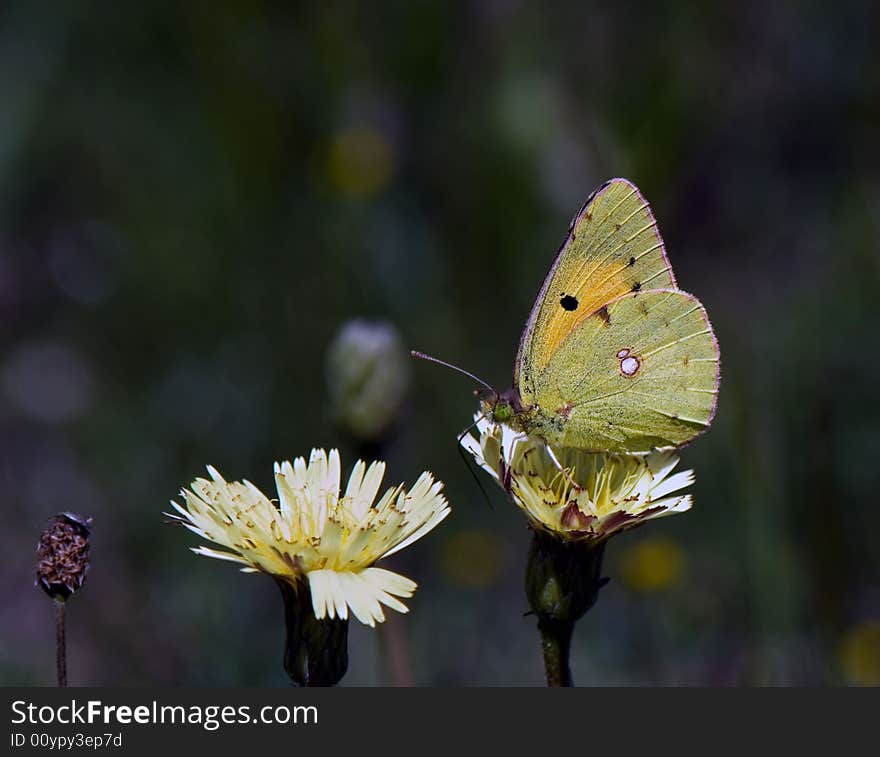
{"x": 614, "y": 356}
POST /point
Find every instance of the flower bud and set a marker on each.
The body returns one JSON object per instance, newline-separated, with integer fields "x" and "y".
{"x": 563, "y": 578}
{"x": 368, "y": 374}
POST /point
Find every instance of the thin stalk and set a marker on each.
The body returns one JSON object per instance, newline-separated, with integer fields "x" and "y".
{"x": 556, "y": 645}
{"x": 60, "y": 643}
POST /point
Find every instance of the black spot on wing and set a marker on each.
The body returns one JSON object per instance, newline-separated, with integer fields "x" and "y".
{"x": 603, "y": 313}
{"x": 568, "y": 302}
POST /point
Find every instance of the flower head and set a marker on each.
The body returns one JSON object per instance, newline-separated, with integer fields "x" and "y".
{"x": 313, "y": 536}
{"x": 592, "y": 496}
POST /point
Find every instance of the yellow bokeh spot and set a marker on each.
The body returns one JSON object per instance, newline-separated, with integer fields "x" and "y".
{"x": 859, "y": 654}
{"x": 473, "y": 559}
{"x": 652, "y": 565}
{"x": 360, "y": 161}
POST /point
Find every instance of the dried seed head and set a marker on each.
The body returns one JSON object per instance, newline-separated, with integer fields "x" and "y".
{"x": 63, "y": 555}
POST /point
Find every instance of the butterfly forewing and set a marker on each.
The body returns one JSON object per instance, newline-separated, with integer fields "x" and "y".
{"x": 613, "y": 247}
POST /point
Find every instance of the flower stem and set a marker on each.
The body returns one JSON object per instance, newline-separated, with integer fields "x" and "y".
{"x": 562, "y": 582}
{"x": 60, "y": 643}
{"x": 556, "y": 645}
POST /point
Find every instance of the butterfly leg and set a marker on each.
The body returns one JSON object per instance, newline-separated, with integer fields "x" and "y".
{"x": 555, "y": 460}
{"x": 467, "y": 464}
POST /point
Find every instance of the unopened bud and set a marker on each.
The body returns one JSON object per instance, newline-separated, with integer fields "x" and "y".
{"x": 563, "y": 578}
{"x": 368, "y": 373}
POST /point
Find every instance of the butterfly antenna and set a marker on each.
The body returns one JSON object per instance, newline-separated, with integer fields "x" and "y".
{"x": 423, "y": 356}
{"x": 463, "y": 434}
{"x": 467, "y": 464}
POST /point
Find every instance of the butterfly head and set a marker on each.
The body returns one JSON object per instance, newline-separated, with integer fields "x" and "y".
{"x": 502, "y": 412}
{"x": 502, "y": 407}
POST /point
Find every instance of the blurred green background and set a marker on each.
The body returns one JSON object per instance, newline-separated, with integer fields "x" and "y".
{"x": 194, "y": 198}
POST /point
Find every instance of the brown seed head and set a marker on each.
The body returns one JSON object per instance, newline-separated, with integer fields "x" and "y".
{"x": 63, "y": 555}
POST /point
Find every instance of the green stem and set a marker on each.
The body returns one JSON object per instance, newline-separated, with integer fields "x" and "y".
{"x": 556, "y": 645}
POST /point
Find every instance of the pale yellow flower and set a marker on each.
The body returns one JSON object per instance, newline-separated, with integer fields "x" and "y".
{"x": 598, "y": 495}
{"x": 314, "y": 538}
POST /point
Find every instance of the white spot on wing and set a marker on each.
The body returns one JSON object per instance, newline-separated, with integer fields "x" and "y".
{"x": 629, "y": 366}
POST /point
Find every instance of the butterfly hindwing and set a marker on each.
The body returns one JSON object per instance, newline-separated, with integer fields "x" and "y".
{"x": 613, "y": 247}
{"x": 640, "y": 372}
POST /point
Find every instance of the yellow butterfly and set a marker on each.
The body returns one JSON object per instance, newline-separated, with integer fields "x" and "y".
{"x": 614, "y": 357}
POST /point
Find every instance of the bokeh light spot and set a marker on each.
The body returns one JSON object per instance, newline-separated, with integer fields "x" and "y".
{"x": 360, "y": 162}
{"x": 859, "y": 654}
{"x": 84, "y": 261}
{"x": 48, "y": 381}
{"x": 652, "y": 565}
{"x": 473, "y": 559}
